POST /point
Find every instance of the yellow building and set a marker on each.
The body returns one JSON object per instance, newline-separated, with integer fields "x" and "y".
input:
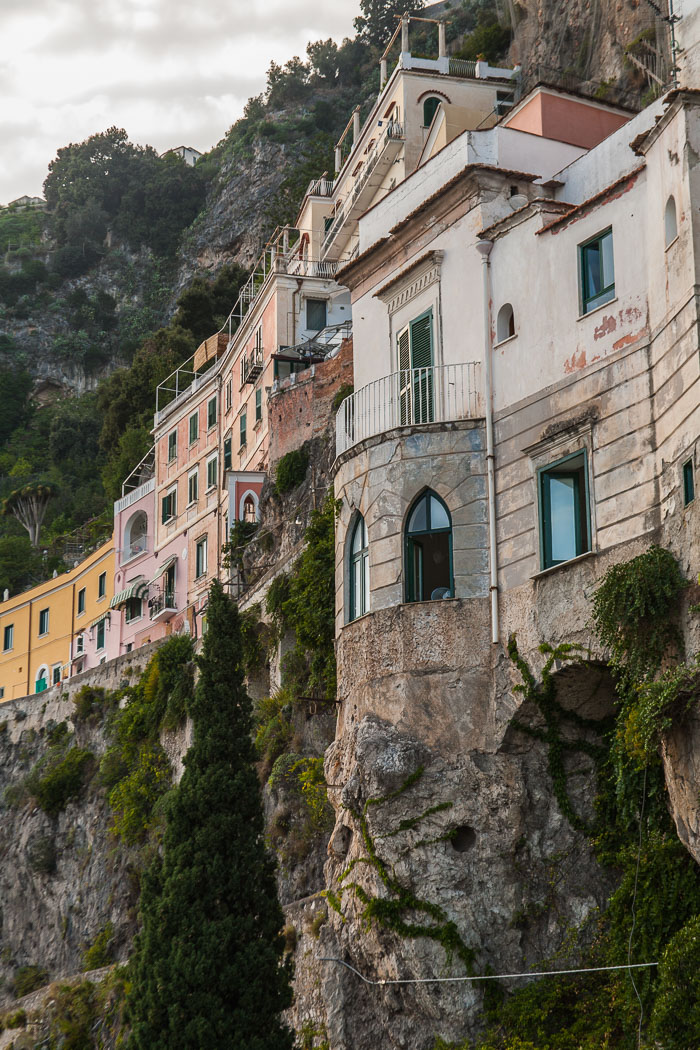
{"x": 57, "y": 628}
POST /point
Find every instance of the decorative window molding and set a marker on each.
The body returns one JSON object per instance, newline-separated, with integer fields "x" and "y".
{"x": 420, "y": 275}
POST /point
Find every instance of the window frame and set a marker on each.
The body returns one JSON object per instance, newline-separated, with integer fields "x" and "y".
{"x": 228, "y": 452}
{"x": 54, "y": 668}
{"x": 258, "y": 405}
{"x": 41, "y": 633}
{"x": 200, "y": 558}
{"x": 100, "y": 636}
{"x": 229, "y": 394}
{"x": 316, "y": 303}
{"x": 193, "y": 476}
{"x": 172, "y": 446}
{"x": 8, "y": 627}
{"x": 688, "y": 472}
{"x": 171, "y": 497}
{"x": 584, "y": 543}
{"x": 410, "y": 590}
{"x": 129, "y": 606}
{"x": 82, "y": 596}
{"x": 585, "y": 299}
{"x": 102, "y": 585}
{"x": 212, "y": 462}
{"x": 243, "y": 429}
{"x": 194, "y": 430}
{"x": 360, "y": 558}
{"x": 212, "y": 413}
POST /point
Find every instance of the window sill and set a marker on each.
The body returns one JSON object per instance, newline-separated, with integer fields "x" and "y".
{"x": 603, "y": 306}
{"x": 100, "y": 598}
{"x": 202, "y": 576}
{"x": 257, "y": 424}
{"x": 169, "y": 521}
{"x": 503, "y": 342}
{"x": 563, "y": 565}
{"x": 192, "y": 503}
{"x": 211, "y": 429}
{"x": 6, "y": 651}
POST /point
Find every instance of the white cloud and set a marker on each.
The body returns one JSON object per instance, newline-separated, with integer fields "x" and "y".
{"x": 168, "y": 71}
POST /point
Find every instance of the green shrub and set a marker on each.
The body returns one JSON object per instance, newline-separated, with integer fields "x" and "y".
{"x": 273, "y": 729}
{"x": 18, "y": 1019}
{"x": 676, "y": 1016}
{"x": 133, "y": 798}
{"x": 100, "y": 953}
{"x": 53, "y": 783}
{"x": 27, "y": 979}
{"x": 344, "y": 391}
{"x": 74, "y": 1016}
{"x": 89, "y": 703}
{"x": 291, "y": 470}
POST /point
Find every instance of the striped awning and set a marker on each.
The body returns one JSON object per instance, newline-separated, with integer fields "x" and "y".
{"x": 163, "y": 568}
{"x": 136, "y": 589}
{"x": 100, "y": 618}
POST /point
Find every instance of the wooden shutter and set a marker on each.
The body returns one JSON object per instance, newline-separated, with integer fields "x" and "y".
{"x": 421, "y": 340}
{"x": 404, "y": 359}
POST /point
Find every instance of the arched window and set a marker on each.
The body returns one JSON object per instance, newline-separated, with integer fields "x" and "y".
{"x": 670, "y": 221}
{"x": 135, "y": 535}
{"x": 505, "y": 323}
{"x": 428, "y": 550}
{"x": 359, "y": 570}
{"x": 41, "y": 682}
{"x": 249, "y": 513}
{"x": 429, "y": 109}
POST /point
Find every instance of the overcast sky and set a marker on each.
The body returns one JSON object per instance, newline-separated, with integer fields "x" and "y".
{"x": 172, "y": 72}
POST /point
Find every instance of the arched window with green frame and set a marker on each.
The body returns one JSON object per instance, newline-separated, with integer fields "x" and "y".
{"x": 428, "y": 548}
{"x": 430, "y": 109}
{"x": 359, "y": 570}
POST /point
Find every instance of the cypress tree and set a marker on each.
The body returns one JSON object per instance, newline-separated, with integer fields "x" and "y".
{"x": 207, "y": 971}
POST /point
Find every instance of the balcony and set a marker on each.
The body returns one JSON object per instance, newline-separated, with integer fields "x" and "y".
{"x": 162, "y": 606}
{"x": 411, "y": 397}
{"x": 364, "y": 189}
{"x": 253, "y": 365}
{"x": 320, "y": 188}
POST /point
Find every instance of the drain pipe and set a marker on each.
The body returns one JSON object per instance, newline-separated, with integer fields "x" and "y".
{"x": 484, "y": 249}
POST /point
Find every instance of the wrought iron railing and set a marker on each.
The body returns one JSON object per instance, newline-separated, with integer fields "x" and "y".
{"x": 411, "y": 397}
{"x": 462, "y": 67}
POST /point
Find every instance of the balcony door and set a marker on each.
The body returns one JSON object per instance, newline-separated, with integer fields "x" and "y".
{"x": 416, "y": 361}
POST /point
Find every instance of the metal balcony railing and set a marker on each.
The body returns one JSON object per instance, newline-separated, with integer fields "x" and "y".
{"x": 160, "y": 602}
{"x": 253, "y": 365}
{"x": 462, "y": 67}
{"x": 411, "y": 397}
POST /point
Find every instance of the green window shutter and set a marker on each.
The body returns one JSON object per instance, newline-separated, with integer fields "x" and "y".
{"x": 403, "y": 344}
{"x": 227, "y": 453}
{"x": 258, "y": 405}
{"x": 422, "y": 341}
{"x": 243, "y": 429}
{"x": 194, "y": 428}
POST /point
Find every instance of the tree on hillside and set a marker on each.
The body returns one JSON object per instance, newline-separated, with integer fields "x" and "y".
{"x": 207, "y": 969}
{"x": 28, "y": 505}
{"x": 378, "y": 19}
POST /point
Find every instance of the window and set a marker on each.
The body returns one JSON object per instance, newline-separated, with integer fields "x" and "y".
{"x": 201, "y": 558}
{"x": 212, "y": 472}
{"x": 55, "y": 674}
{"x": 44, "y": 621}
{"x": 169, "y": 506}
{"x": 243, "y": 429}
{"x": 563, "y": 505}
{"x": 429, "y": 110}
{"x": 172, "y": 446}
{"x": 132, "y": 610}
{"x": 81, "y": 601}
{"x": 211, "y": 413}
{"x": 415, "y": 359}
{"x": 228, "y": 462}
{"x": 428, "y": 550}
{"x": 80, "y": 645}
{"x": 8, "y": 637}
{"x": 670, "y": 222}
{"x": 258, "y": 406}
{"x": 505, "y": 323}
{"x": 193, "y": 487}
{"x": 194, "y": 427}
{"x": 259, "y": 340}
{"x": 229, "y": 394}
{"x": 102, "y": 585}
{"x": 250, "y": 509}
{"x": 169, "y": 586}
{"x": 688, "y": 483}
{"x": 359, "y": 570}
{"x": 597, "y": 271}
{"x": 2, "y": 691}
{"x": 315, "y": 314}
{"x": 41, "y": 681}
{"x": 101, "y": 635}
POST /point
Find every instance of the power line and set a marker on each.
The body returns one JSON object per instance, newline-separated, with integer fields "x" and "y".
{"x": 484, "y": 977}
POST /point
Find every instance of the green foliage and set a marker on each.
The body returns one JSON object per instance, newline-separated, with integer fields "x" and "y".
{"x": 378, "y": 19}
{"x": 213, "y": 893}
{"x": 204, "y": 305}
{"x": 633, "y": 613}
{"x": 90, "y": 703}
{"x": 309, "y": 668}
{"x": 20, "y": 228}
{"x": 676, "y": 1017}
{"x": 658, "y": 703}
{"x": 490, "y": 40}
{"x": 100, "y": 953}
{"x": 27, "y": 979}
{"x": 277, "y": 594}
{"x": 21, "y": 564}
{"x": 59, "y": 776}
{"x": 273, "y": 728}
{"x": 304, "y": 775}
{"x": 240, "y": 535}
{"x": 344, "y": 391}
{"x": 291, "y": 470}
{"x": 15, "y": 387}
{"x": 257, "y": 640}
{"x": 544, "y": 696}
{"x": 16, "y": 1019}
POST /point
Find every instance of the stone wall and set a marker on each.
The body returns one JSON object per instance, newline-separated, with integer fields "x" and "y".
{"x": 381, "y": 477}
{"x": 299, "y": 408}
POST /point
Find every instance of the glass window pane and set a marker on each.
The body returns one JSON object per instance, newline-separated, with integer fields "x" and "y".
{"x": 563, "y": 522}
{"x": 438, "y": 515}
{"x": 356, "y": 583}
{"x": 419, "y": 519}
{"x": 608, "y": 272}
{"x": 365, "y": 590}
{"x": 591, "y": 262}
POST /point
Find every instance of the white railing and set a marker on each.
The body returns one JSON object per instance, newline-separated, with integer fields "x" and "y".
{"x": 412, "y": 397}
{"x": 321, "y": 188}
